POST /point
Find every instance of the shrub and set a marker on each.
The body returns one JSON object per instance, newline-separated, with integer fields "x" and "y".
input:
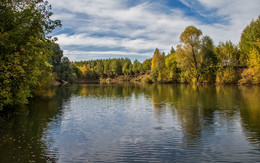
{"x": 226, "y": 76}
{"x": 250, "y": 76}
{"x": 147, "y": 80}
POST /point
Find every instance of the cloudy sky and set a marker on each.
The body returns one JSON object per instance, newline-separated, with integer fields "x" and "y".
{"x": 94, "y": 29}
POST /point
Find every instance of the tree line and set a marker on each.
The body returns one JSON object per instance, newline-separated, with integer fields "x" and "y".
{"x": 195, "y": 60}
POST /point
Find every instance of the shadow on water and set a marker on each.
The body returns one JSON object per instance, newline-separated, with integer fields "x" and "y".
{"x": 201, "y": 119}
{"x": 21, "y": 128}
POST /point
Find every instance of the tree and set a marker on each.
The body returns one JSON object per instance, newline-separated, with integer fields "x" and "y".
{"x": 249, "y": 38}
{"x": 61, "y": 66}
{"x": 254, "y": 56}
{"x": 171, "y": 66}
{"x": 126, "y": 67}
{"x": 137, "y": 66}
{"x": 208, "y": 60}
{"x": 99, "y": 69}
{"x": 107, "y": 69}
{"x": 158, "y": 64}
{"x": 57, "y": 55}
{"x": 228, "y": 54}
{"x": 147, "y": 65}
{"x": 116, "y": 67}
{"x": 172, "y": 51}
{"x": 24, "y": 52}
{"x": 251, "y": 75}
{"x": 157, "y": 61}
{"x": 189, "y": 51}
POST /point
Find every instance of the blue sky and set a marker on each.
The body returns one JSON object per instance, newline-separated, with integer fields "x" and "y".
{"x": 95, "y": 29}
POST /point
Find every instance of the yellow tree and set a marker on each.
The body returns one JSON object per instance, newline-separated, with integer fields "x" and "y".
{"x": 248, "y": 39}
{"x": 189, "y": 50}
{"x": 252, "y": 74}
{"x": 158, "y": 63}
{"x": 254, "y": 56}
{"x": 171, "y": 66}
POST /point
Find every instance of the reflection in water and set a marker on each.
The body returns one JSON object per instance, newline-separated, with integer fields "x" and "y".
{"x": 130, "y": 122}
{"x": 250, "y": 112}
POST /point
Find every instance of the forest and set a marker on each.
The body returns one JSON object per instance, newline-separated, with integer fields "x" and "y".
{"x": 31, "y": 61}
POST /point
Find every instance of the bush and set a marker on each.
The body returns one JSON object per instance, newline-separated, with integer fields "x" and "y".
{"x": 208, "y": 75}
{"x": 226, "y": 76}
{"x": 147, "y": 80}
{"x": 250, "y": 76}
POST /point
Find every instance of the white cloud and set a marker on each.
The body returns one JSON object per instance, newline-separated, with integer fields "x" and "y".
{"x": 235, "y": 14}
{"x": 90, "y": 55}
{"x": 147, "y": 25}
{"x": 123, "y": 53}
{"x": 109, "y": 42}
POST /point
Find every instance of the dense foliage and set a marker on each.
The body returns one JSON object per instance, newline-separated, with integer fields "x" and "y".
{"x": 250, "y": 52}
{"x": 24, "y": 51}
{"x": 62, "y": 68}
{"x": 30, "y": 61}
{"x": 95, "y": 69}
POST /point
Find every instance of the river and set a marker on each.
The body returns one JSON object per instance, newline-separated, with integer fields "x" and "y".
{"x": 135, "y": 123}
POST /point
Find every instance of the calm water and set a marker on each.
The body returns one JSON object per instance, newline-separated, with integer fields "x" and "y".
{"x": 142, "y": 123}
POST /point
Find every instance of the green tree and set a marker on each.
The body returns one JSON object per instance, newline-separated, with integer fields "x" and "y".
{"x": 249, "y": 38}
{"x": 126, "y": 67}
{"x": 57, "y": 55}
{"x": 61, "y": 66}
{"x": 107, "y": 69}
{"x": 228, "y": 54}
{"x": 172, "y": 51}
{"x": 24, "y": 52}
{"x": 147, "y": 65}
{"x": 171, "y": 66}
{"x": 208, "y": 60}
{"x": 67, "y": 71}
{"x": 137, "y": 66}
{"x": 99, "y": 69}
{"x": 116, "y": 67}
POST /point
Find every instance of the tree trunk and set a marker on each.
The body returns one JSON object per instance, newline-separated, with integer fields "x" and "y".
{"x": 196, "y": 66}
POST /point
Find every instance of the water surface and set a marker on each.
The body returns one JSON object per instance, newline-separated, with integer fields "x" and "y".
{"x": 135, "y": 123}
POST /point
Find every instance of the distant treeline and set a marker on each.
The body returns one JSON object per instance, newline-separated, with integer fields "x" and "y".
{"x": 31, "y": 61}
{"x": 196, "y": 60}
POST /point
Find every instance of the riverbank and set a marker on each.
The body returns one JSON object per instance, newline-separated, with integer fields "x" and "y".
{"x": 231, "y": 77}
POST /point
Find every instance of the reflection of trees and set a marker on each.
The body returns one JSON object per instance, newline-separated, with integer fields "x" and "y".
{"x": 22, "y": 128}
{"x": 110, "y": 90}
{"x": 21, "y": 131}
{"x": 185, "y": 99}
{"x": 196, "y": 105}
{"x": 228, "y": 98}
{"x": 187, "y": 105}
{"x": 250, "y": 112}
